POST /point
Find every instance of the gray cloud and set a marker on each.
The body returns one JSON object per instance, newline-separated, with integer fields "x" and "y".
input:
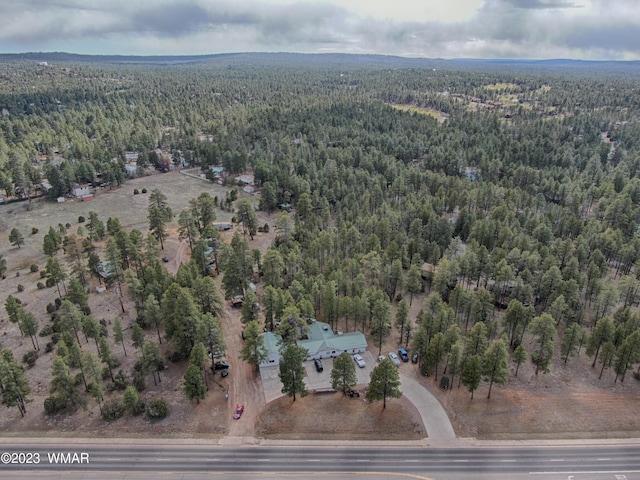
{"x": 541, "y": 4}
{"x": 500, "y": 28}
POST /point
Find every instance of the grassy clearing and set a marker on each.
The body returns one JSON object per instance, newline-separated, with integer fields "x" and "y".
{"x": 438, "y": 115}
{"x": 501, "y": 86}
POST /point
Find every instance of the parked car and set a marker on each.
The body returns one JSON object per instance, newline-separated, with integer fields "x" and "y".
{"x": 165, "y": 259}
{"x": 381, "y": 357}
{"x": 353, "y": 393}
{"x": 394, "y": 358}
{"x": 415, "y": 357}
{"x": 318, "y": 364}
{"x": 403, "y": 354}
{"x": 224, "y": 372}
{"x": 238, "y": 413}
{"x": 221, "y": 365}
{"x": 359, "y": 360}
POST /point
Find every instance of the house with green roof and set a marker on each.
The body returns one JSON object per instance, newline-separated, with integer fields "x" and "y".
{"x": 320, "y": 342}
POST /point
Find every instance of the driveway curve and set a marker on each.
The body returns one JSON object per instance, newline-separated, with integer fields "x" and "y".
{"x": 435, "y": 419}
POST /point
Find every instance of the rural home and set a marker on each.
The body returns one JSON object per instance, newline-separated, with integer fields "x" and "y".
{"x": 81, "y": 191}
{"x": 321, "y": 342}
{"x": 247, "y": 179}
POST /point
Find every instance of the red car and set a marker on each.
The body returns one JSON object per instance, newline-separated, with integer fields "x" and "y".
{"x": 238, "y": 413}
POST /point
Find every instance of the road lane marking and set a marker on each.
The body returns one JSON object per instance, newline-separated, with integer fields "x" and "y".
{"x": 587, "y": 472}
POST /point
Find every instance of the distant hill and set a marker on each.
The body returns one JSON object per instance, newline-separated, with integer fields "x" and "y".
{"x": 334, "y": 59}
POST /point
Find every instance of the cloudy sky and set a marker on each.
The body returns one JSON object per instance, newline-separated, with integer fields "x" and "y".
{"x": 532, "y": 29}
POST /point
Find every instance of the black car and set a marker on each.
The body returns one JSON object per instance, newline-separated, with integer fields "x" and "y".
{"x": 220, "y": 366}
{"x": 318, "y": 364}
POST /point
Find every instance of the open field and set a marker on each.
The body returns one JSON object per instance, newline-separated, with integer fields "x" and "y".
{"x": 441, "y": 117}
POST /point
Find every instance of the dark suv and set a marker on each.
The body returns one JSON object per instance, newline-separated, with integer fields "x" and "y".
{"x": 318, "y": 364}
{"x": 220, "y": 366}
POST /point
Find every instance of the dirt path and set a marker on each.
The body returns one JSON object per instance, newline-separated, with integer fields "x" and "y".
{"x": 243, "y": 381}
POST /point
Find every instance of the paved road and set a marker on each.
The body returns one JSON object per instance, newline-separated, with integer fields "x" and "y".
{"x": 141, "y": 459}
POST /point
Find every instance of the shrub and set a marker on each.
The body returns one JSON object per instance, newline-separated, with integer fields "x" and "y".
{"x": 113, "y": 409}
{"x": 46, "y": 331}
{"x": 157, "y": 408}
{"x": 265, "y": 229}
{"x": 40, "y": 286}
{"x": 139, "y": 408}
{"x": 67, "y": 225}
{"x": 33, "y": 268}
{"x": 144, "y": 190}
{"x": 138, "y": 381}
{"x": 104, "y": 373}
{"x": 34, "y": 230}
{"x": 20, "y": 287}
{"x": 49, "y": 347}
{"x": 55, "y": 338}
{"x": 81, "y": 219}
{"x": 136, "y": 191}
{"x": 51, "y": 308}
{"x": 120, "y": 382}
{"x": 58, "y": 303}
{"x": 30, "y": 358}
{"x": 54, "y": 404}
{"x": 50, "y": 283}
{"x": 43, "y": 273}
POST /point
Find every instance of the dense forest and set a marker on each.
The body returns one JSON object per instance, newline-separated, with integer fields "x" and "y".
{"x": 510, "y": 193}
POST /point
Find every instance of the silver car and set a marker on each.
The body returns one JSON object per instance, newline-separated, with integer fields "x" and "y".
{"x": 359, "y": 360}
{"x": 394, "y": 358}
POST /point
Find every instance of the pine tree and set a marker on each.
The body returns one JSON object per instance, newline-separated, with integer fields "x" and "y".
{"x": 543, "y": 328}
{"x": 118, "y": 335}
{"x": 252, "y": 350}
{"x": 495, "y": 364}
{"x": 343, "y": 374}
{"x": 250, "y": 307}
{"x": 402, "y": 317}
{"x": 16, "y": 238}
{"x": 194, "y": 384}
{"x": 570, "y": 341}
{"x": 385, "y": 382}
{"x": 519, "y": 356}
{"x": 159, "y": 215}
{"x": 472, "y": 373}
{"x": 435, "y": 353}
{"x": 107, "y": 356}
{"x": 602, "y": 333}
{"x": 292, "y": 371}
{"x": 13, "y": 383}
{"x": 30, "y": 325}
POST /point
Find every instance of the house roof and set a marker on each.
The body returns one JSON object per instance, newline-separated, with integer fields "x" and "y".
{"x": 320, "y": 338}
{"x": 271, "y": 342}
